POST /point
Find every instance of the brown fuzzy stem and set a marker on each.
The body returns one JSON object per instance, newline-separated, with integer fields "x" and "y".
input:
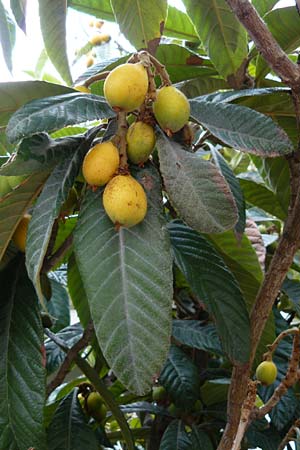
{"x": 245, "y": 415}
{"x": 120, "y": 140}
{"x": 290, "y": 436}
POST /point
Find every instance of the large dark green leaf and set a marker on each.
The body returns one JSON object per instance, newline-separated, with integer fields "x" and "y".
{"x": 7, "y": 35}
{"x": 69, "y": 429}
{"x": 200, "y": 440}
{"x": 77, "y": 292}
{"x": 180, "y": 378}
{"x": 39, "y": 152}
{"x": 53, "y": 26}
{"x": 15, "y": 94}
{"x": 223, "y": 37}
{"x": 58, "y": 306}
{"x": 194, "y": 334}
{"x": 285, "y": 27}
{"x": 215, "y": 285}
{"x": 47, "y": 209}
{"x": 196, "y": 188}
{"x": 18, "y": 7}
{"x": 175, "y": 437}
{"x": 53, "y": 113}
{"x": 141, "y": 22}
{"x": 242, "y": 128}
{"x": 15, "y": 203}
{"x": 235, "y": 187}
{"x": 22, "y": 375}
{"x": 127, "y": 275}
{"x": 202, "y": 85}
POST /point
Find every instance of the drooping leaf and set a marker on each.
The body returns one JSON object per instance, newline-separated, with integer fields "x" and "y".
{"x": 39, "y": 152}
{"x": 141, "y": 22}
{"x": 235, "y": 189}
{"x": 179, "y": 25}
{"x": 7, "y": 35}
{"x": 15, "y": 204}
{"x": 15, "y": 94}
{"x": 53, "y": 113}
{"x": 22, "y": 375}
{"x": 77, "y": 292}
{"x": 54, "y": 354}
{"x": 128, "y": 281}
{"x": 69, "y": 429}
{"x": 200, "y": 440}
{"x": 18, "y": 7}
{"x": 53, "y": 26}
{"x": 223, "y": 37}
{"x": 193, "y": 334}
{"x": 242, "y": 128}
{"x": 285, "y": 27}
{"x": 215, "y": 285}
{"x": 180, "y": 378}
{"x": 196, "y": 188}
{"x": 58, "y": 306}
{"x": 175, "y": 437}
{"x": 47, "y": 209}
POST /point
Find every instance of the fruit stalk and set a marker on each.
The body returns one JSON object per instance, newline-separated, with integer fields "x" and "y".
{"x": 120, "y": 140}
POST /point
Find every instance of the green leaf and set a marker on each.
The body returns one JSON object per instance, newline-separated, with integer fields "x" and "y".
{"x": 77, "y": 292}
{"x": 235, "y": 187}
{"x": 69, "y": 429}
{"x": 257, "y": 194}
{"x": 277, "y": 175}
{"x": 56, "y": 356}
{"x": 15, "y": 204}
{"x": 53, "y": 113}
{"x": 242, "y": 128}
{"x": 53, "y": 26}
{"x": 39, "y": 152}
{"x": 141, "y": 22}
{"x": 14, "y": 95}
{"x": 47, "y": 209}
{"x": 202, "y": 85}
{"x": 22, "y": 375}
{"x": 263, "y": 6}
{"x": 196, "y": 188}
{"x": 216, "y": 286}
{"x": 180, "y": 378}
{"x": 58, "y": 306}
{"x": 182, "y": 64}
{"x": 194, "y": 334}
{"x": 7, "y": 35}
{"x": 101, "y": 10}
{"x": 175, "y": 437}
{"x": 200, "y": 440}
{"x": 18, "y": 7}
{"x": 222, "y": 35}
{"x": 266, "y": 436}
{"x": 285, "y": 26}
{"x": 130, "y": 270}
{"x": 180, "y": 26}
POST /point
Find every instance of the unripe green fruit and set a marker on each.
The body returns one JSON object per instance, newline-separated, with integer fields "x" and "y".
{"x": 140, "y": 139}
{"x": 159, "y": 394}
{"x": 125, "y": 201}
{"x": 95, "y": 406}
{"x": 266, "y": 372}
{"x": 126, "y": 87}
{"x": 100, "y": 163}
{"x": 171, "y": 109}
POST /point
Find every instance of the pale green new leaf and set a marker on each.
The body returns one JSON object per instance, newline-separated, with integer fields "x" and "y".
{"x": 196, "y": 188}
{"x": 15, "y": 204}
{"x": 222, "y": 35}
{"x": 53, "y": 25}
{"x": 18, "y": 8}
{"x": 127, "y": 276}
{"x": 22, "y": 375}
{"x": 7, "y": 35}
{"x": 141, "y": 22}
{"x": 242, "y": 128}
